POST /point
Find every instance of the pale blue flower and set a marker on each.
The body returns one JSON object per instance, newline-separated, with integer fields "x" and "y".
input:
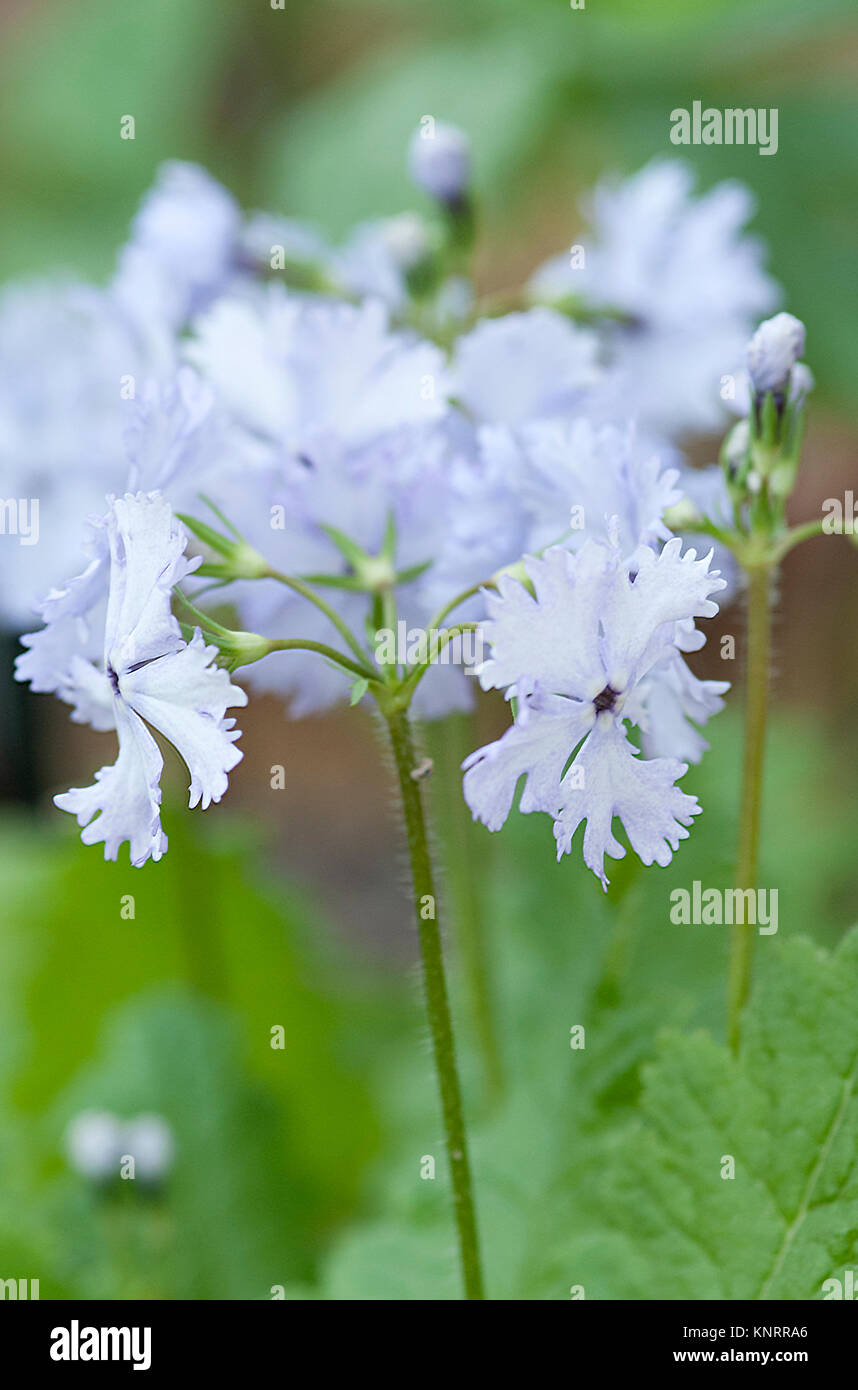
{"x": 148, "y": 677}
{"x": 67, "y": 356}
{"x": 406, "y": 478}
{"x": 310, "y": 378}
{"x": 682, "y": 283}
{"x": 184, "y": 243}
{"x": 171, "y": 435}
{"x": 522, "y": 367}
{"x": 576, "y": 657}
{"x": 572, "y": 480}
{"x": 546, "y": 483}
{"x": 675, "y": 701}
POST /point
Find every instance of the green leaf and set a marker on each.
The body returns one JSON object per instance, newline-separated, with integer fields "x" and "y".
{"x": 388, "y": 1262}
{"x": 660, "y": 1221}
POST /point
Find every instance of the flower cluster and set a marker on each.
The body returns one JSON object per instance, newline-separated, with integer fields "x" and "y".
{"x": 380, "y": 443}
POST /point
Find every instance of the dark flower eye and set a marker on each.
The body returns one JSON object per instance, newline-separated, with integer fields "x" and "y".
{"x": 606, "y": 699}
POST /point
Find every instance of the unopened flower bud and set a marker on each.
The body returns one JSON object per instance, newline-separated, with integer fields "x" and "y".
{"x": 439, "y": 161}
{"x": 735, "y": 448}
{"x": 682, "y": 516}
{"x": 239, "y": 559}
{"x": 801, "y": 383}
{"x": 773, "y": 351}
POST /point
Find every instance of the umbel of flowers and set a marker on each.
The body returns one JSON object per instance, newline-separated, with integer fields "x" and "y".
{"x": 334, "y": 440}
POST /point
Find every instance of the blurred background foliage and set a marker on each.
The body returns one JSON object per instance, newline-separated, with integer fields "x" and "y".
{"x": 308, "y": 109}
{"x": 301, "y": 1167}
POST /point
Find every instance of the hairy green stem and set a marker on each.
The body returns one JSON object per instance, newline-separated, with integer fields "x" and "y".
{"x": 756, "y": 712}
{"x": 450, "y": 741}
{"x": 437, "y": 1002}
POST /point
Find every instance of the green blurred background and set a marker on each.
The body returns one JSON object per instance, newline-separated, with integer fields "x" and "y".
{"x": 300, "y": 1167}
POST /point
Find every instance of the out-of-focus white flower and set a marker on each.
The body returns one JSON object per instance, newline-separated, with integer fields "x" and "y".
{"x": 309, "y": 378}
{"x": 170, "y": 435}
{"x": 98, "y": 1142}
{"x": 685, "y": 282}
{"x": 93, "y": 1142}
{"x": 264, "y": 236}
{"x": 148, "y": 1139}
{"x": 568, "y": 482}
{"x": 521, "y": 367}
{"x": 406, "y": 238}
{"x": 68, "y": 357}
{"x": 185, "y": 235}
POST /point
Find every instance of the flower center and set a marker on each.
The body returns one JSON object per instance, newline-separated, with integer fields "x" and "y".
{"x": 605, "y": 700}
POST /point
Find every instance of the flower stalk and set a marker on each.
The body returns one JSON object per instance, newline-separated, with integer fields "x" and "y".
{"x": 462, "y": 853}
{"x": 437, "y": 1000}
{"x": 756, "y": 713}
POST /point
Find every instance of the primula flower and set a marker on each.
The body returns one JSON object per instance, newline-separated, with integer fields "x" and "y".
{"x": 548, "y": 482}
{"x": 171, "y": 437}
{"x": 576, "y": 657}
{"x": 676, "y": 700}
{"x": 684, "y": 283}
{"x": 148, "y": 676}
{"x": 67, "y": 353}
{"x": 313, "y": 379}
{"x": 583, "y": 477}
{"x": 523, "y": 367}
{"x": 184, "y": 243}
